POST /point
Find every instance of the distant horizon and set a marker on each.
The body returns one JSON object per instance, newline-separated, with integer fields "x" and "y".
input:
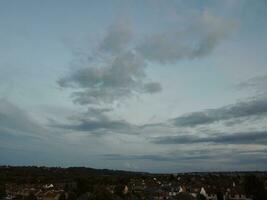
{"x": 134, "y": 85}
{"x": 145, "y": 172}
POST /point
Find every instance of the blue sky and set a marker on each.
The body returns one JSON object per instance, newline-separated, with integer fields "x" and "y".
{"x": 159, "y": 86}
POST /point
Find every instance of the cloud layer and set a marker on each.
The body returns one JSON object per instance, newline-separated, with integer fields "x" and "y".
{"x": 17, "y": 122}
{"x": 255, "y": 107}
{"x": 259, "y": 137}
{"x": 257, "y": 84}
{"x": 118, "y": 69}
{"x": 196, "y": 40}
{"x": 121, "y": 77}
{"x": 151, "y": 93}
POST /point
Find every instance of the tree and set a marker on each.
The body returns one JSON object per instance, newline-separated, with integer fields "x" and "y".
{"x": 172, "y": 178}
{"x": 72, "y": 196}
{"x": 103, "y": 196}
{"x": 62, "y": 196}
{"x": 18, "y": 197}
{"x": 118, "y": 190}
{"x": 201, "y": 197}
{"x": 101, "y": 193}
{"x": 255, "y": 187}
{"x": 219, "y": 195}
{"x": 84, "y": 185}
{"x": 2, "y": 191}
{"x": 31, "y": 197}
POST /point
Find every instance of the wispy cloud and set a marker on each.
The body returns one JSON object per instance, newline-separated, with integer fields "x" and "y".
{"x": 118, "y": 69}
{"x": 93, "y": 125}
{"x": 259, "y": 137}
{"x": 254, "y": 107}
{"x": 196, "y": 40}
{"x": 257, "y": 84}
{"x": 15, "y": 121}
{"x": 204, "y": 157}
{"x": 118, "y": 38}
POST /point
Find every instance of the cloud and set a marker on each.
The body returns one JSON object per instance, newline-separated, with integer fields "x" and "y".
{"x": 135, "y": 157}
{"x": 118, "y": 37}
{"x": 254, "y": 107}
{"x": 117, "y": 70}
{"x": 15, "y": 121}
{"x": 114, "y": 73}
{"x": 122, "y": 77}
{"x": 196, "y": 40}
{"x": 257, "y": 137}
{"x": 257, "y": 84}
{"x": 96, "y": 122}
{"x": 152, "y": 87}
{"x": 95, "y": 125}
{"x": 185, "y": 155}
{"x": 258, "y": 160}
{"x": 97, "y": 113}
{"x": 208, "y": 158}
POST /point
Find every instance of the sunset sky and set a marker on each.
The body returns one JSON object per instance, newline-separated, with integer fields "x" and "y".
{"x": 140, "y": 85}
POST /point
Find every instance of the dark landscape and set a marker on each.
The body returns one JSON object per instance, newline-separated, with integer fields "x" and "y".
{"x": 51, "y": 183}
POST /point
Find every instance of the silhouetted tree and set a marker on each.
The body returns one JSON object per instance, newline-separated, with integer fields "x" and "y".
{"x": 31, "y": 197}
{"x": 72, "y": 196}
{"x": 172, "y": 178}
{"x": 201, "y": 197}
{"x": 2, "y": 190}
{"x": 219, "y": 195}
{"x": 118, "y": 190}
{"x": 255, "y": 187}
{"x": 104, "y": 195}
{"x": 84, "y": 185}
{"x": 62, "y": 196}
{"x": 18, "y": 197}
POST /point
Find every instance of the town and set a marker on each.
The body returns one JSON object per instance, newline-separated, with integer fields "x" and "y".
{"x": 43, "y": 183}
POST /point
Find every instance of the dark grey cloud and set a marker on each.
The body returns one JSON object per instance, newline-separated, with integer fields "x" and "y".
{"x": 96, "y": 121}
{"x": 196, "y": 40}
{"x": 97, "y": 113}
{"x": 152, "y": 87}
{"x": 126, "y": 68}
{"x": 94, "y": 125}
{"x": 257, "y": 84}
{"x": 7, "y": 135}
{"x": 200, "y": 159}
{"x": 118, "y": 69}
{"x": 122, "y": 77}
{"x": 206, "y": 153}
{"x": 250, "y": 108}
{"x": 256, "y": 137}
{"x": 118, "y": 37}
{"x": 15, "y": 121}
{"x": 258, "y": 160}
{"x": 135, "y": 157}
{"x": 157, "y": 158}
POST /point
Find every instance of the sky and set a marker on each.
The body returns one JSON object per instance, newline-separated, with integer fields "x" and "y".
{"x": 155, "y": 86}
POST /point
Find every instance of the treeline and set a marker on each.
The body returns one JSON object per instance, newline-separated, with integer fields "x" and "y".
{"x": 32, "y": 174}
